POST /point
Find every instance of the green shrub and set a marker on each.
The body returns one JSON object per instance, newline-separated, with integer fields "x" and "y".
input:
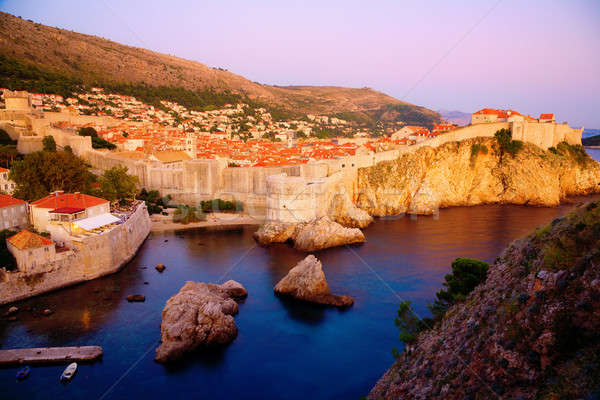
{"x": 576, "y": 152}
{"x": 187, "y": 214}
{"x": 217, "y": 205}
{"x": 507, "y": 145}
{"x": 466, "y": 274}
{"x": 476, "y": 149}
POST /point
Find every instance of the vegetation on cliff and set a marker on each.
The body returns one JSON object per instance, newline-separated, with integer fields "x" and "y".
{"x": 530, "y": 331}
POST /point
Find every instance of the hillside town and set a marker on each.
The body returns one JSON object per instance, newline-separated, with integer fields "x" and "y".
{"x": 244, "y": 135}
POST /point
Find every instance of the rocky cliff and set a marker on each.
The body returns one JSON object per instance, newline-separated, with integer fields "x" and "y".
{"x": 475, "y": 171}
{"x": 530, "y": 331}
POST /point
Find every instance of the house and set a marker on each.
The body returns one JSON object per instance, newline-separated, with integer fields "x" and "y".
{"x": 13, "y": 212}
{"x": 6, "y": 185}
{"x": 410, "y": 131}
{"x": 60, "y": 207}
{"x": 487, "y": 115}
{"x": 31, "y": 250}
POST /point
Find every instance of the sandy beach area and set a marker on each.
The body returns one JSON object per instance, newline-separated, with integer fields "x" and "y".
{"x": 213, "y": 220}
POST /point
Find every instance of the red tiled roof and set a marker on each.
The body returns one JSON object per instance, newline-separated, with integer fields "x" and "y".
{"x": 546, "y": 116}
{"x": 28, "y": 240}
{"x": 3, "y": 169}
{"x": 6, "y": 201}
{"x": 76, "y": 200}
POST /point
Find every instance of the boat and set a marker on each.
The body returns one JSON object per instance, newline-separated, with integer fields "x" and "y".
{"x": 23, "y": 372}
{"x": 68, "y": 373}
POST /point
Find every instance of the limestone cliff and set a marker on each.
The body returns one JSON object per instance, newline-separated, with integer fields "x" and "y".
{"x": 472, "y": 172}
{"x": 529, "y": 332}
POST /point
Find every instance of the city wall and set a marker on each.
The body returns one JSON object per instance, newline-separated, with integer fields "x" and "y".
{"x": 89, "y": 258}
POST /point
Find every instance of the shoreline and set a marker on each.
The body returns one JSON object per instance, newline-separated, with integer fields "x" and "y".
{"x": 592, "y": 147}
{"x": 216, "y": 221}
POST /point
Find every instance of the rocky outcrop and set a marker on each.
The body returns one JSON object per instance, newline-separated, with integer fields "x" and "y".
{"x": 318, "y": 234}
{"x": 306, "y": 281}
{"x": 530, "y": 331}
{"x": 200, "y": 314}
{"x": 344, "y": 212}
{"x": 473, "y": 172}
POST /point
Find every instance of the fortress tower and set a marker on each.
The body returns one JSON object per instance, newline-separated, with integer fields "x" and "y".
{"x": 17, "y": 101}
{"x": 191, "y": 145}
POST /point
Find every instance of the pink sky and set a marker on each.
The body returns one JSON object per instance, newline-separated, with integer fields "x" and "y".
{"x": 535, "y": 56}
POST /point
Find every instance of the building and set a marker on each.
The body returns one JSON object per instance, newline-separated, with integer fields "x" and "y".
{"x": 17, "y": 101}
{"x": 31, "y": 251}
{"x": 547, "y": 118}
{"x": 13, "y": 212}
{"x": 6, "y": 185}
{"x": 410, "y": 131}
{"x": 487, "y": 115}
{"x": 61, "y": 207}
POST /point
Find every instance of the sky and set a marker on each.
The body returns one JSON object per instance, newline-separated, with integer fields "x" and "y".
{"x": 534, "y": 56}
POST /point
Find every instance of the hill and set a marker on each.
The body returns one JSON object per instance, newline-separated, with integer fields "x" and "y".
{"x": 456, "y": 117}
{"x": 591, "y": 141}
{"x": 530, "y": 331}
{"x": 93, "y": 60}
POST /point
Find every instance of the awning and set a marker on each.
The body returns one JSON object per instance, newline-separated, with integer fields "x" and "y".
{"x": 67, "y": 210}
{"x": 96, "y": 222}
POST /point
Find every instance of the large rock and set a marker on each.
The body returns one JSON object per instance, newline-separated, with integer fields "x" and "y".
{"x": 200, "y": 314}
{"x": 315, "y": 235}
{"x": 306, "y": 281}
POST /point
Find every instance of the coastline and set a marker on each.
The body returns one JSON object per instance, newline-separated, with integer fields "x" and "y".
{"x": 592, "y": 147}
{"x": 214, "y": 221}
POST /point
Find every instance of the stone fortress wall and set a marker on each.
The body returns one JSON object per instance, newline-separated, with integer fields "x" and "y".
{"x": 88, "y": 258}
{"x": 197, "y": 180}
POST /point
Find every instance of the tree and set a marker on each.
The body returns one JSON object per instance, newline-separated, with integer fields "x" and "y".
{"x": 7, "y": 260}
{"x": 49, "y": 144}
{"x": 68, "y": 149}
{"x": 117, "y": 184}
{"x": 43, "y": 172}
{"x": 504, "y": 139}
{"x": 466, "y": 274}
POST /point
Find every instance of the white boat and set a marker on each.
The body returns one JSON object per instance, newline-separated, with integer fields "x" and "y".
{"x": 68, "y": 373}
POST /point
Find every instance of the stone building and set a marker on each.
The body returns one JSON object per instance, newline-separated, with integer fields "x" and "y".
{"x": 13, "y": 212}
{"x": 59, "y": 207}
{"x": 31, "y": 251}
{"x": 6, "y": 185}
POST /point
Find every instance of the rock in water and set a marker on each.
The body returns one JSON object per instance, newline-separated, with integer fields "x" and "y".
{"x": 324, "y": 233}
{"x": 200, "y": 314}
{"x": 318, "y": 234}
{"x": 160, "y": 268}
{"x": 234, "y": 289}
{"x": 306, "y": 281}
{"x": 136, "y": 298}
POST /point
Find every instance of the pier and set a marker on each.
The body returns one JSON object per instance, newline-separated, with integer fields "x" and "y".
{"x": 50, "y": 355}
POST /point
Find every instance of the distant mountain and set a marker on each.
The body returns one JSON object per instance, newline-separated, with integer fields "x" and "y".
{"x": 590, "y": 132}
{"x": 456, "y": 117}
{"x": 591, "y": 141}
{"x": 93, "y": 60}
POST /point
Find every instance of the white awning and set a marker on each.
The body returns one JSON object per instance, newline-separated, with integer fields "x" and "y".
{"x": 96, "y": 222}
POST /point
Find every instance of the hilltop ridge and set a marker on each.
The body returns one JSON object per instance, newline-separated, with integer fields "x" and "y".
{"x": 92, "y": 59}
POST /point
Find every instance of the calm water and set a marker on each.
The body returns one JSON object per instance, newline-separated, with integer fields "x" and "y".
{"x": 284, "y": 349}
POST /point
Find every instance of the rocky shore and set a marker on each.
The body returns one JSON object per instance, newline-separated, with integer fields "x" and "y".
{"x": 306, "y": 281}
{"x": 200, "y": 314}
{"x": 530, "y": 331}
{"x": 472, "y": 172}
{"x": 310, "y": 236}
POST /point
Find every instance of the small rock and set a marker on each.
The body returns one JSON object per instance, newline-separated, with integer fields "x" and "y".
{"x": 234, "y": 289}
{"x": 12, "y": 310}
{"x": 160, "y": 268}
{"x": 145, "y": 283}
{"x": 306, "y": 281}
{"x": 47, "y": 312}
{"x": 136, "y": 298}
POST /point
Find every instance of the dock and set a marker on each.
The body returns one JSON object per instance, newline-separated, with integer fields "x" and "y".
{"x": 50, "y": 355}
